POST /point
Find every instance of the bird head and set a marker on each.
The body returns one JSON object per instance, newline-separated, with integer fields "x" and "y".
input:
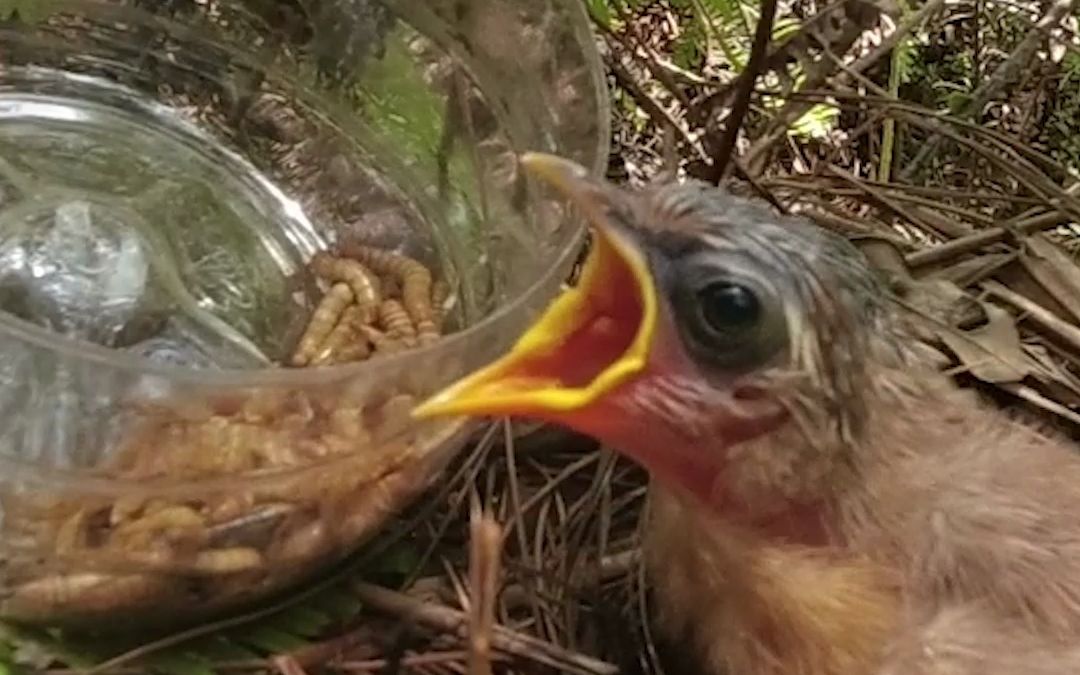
{"x": 701, "y": 322}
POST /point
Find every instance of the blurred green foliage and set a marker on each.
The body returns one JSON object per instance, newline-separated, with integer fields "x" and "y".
{"x": 27, "y": 11}
{"x": 27, "y": 650}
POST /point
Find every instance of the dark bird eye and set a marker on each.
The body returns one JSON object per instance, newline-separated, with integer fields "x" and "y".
{"x": 728, "y": 322}
{"x": 729, "y": 308}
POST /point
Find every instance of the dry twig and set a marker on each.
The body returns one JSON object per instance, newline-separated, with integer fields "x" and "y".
{"x": 503, "y": 639}
{"x": 484, "y": 553}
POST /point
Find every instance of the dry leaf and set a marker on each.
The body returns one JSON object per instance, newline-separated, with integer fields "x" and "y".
{"x": 971, "y": 270}
{"x": 1055, "y": 271}
{"x": 1062, "y": 384}
{"x": 992, "y": 352}
{"x": 883, "y": 253}
{"x": 950, "y": 227}
{"x": 1038, "y": 315}
{"x": 1038, "y": 400}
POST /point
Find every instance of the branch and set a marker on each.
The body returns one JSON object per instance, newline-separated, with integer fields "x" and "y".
{"x": 1005, "y": 74}
{"x": 777, "y": 59}
{"x": 815, "y": 79}
{"x": 983, "y": 238}
{"x": 485, "y": 547}
{"x": 721, "y": 149}
{"x": 656, "y": 112}
{"x": 502, "y": 638}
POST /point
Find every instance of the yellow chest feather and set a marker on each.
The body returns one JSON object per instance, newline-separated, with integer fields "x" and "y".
{"x": 755, "y": 608}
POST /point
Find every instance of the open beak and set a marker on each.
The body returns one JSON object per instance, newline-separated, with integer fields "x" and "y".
{"x": 590, "y": 340}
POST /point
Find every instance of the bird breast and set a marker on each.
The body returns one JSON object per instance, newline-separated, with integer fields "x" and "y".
{"x": 758, "y": 606}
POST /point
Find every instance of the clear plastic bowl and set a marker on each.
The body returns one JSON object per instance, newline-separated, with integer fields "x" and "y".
{"x": 138, "y": 492}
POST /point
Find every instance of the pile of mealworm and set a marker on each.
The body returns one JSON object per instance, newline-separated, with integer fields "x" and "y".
{"x": 160, "y": 557}
{"x": 119, "y": 555}
{"x": 377, "y": 302}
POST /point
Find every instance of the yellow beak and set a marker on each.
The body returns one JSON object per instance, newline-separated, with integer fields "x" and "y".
{"x": 590, "y": 340}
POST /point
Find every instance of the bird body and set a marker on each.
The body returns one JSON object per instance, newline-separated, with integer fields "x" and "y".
{"x": 753, "y": 605}
{"x": 823, "y": 501}
{"x": 972, "y": 514}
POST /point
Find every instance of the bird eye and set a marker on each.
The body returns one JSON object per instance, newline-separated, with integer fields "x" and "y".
{"x": 729, "y": 308}
{"x": 729, "y": 322}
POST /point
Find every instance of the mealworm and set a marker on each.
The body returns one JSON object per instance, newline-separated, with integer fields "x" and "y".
{"x": 364, "y": 285}
{"x": 173, "y": 523}
{"x": 322, "y": 322}
{"x": 383, "y": 343}
{"x": 414, "y": 277}
{"x": 440, "y": 293}
{"x": 345, "y": 338}
{"x": 427, "y": 332}
{"x": 354, "y": 351}
{"x": 72, "y": 533}
{"x": 305, "y": 541}
{"x": 396, "y": 322}
{"x": 390, "y": 285}
{"x": 228, "y": 560}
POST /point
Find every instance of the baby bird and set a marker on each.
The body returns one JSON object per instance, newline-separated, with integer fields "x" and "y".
{"x": 823, "y": 500}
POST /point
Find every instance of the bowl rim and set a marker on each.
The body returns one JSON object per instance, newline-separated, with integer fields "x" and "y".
{"x": 91, "y": 353}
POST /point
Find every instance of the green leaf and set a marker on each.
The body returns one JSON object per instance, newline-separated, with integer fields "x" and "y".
{"x": 400, "y": 559}
{"x": 29, "y": 645}
{"x": 600, "y": 12}
{"x": 271, "y": 640}
{"x": 302, "y": 620}
{"x": 816, "y": 122}
{"x": 784, "y": 28}
{"x": 957, "y": 101}
{"x": 730, "y": 15}
{"x": 1070, "y": 65}
{"x": 904, "y": 60}
{"x": 33, "y": 11}
{"x": 179, "y": 663}
{"x": 342, "y": 606}
{"x": 717, "y": 28}
{"x": 219, "y": 648}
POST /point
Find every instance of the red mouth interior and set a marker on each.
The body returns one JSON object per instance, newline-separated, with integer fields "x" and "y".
{"x": 606, "y": 314}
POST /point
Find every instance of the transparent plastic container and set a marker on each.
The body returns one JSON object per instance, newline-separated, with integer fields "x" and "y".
{"x": 167, "y": 170}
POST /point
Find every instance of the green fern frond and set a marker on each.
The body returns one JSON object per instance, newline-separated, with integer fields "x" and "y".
{"x": 785, "y": 27}
{"x": 716, "y": 28}
{"x": 904, "y": 60}
{"x": 732, "y": 15}
{"x": 1070, "y": 67}
{"x": 816, "y": 122}
{"x": 600, "y": 11}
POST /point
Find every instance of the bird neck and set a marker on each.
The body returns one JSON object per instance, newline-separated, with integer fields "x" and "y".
{"x": 757, "y": 606}
{"x": 779, "y": 517}
{"x": 794, "y": 484}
